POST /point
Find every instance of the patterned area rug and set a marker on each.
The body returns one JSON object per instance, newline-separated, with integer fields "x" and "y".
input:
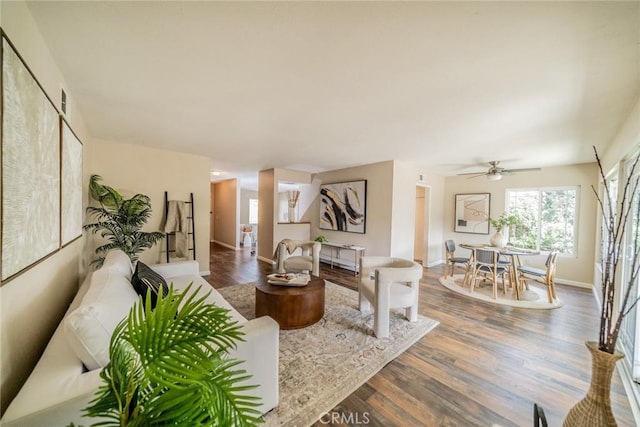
{"x": 324, "y": 363}
{"x": 535, "y": 297}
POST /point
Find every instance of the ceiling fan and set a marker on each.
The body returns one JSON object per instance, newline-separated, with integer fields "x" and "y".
{"x": 495, "y": 172}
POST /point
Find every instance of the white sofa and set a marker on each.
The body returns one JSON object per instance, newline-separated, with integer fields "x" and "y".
{"x": 60, "y": 386}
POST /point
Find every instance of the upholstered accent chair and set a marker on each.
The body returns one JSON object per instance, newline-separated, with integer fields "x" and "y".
{"x": 289, "y": 260}
{"x": 387, "y": 283}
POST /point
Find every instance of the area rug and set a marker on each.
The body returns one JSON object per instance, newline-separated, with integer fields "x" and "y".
{"x": 535, "y": 297}
{"x": 324, "y": 363}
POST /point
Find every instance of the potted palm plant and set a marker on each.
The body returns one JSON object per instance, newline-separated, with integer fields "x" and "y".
{"x": 120, "y": 221}
{"x": 617, "y": 214}
{"x": 169, "y": 366}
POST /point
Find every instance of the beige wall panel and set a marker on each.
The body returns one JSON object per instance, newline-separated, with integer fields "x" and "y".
{"x": 132, "y": 169}
{"x": 377, "y": 239}
{"x": 266, "y": 218}
{"x": 32, "y": 304}
{"x": 226, "y": 215}
{"x": 212, "y": 227}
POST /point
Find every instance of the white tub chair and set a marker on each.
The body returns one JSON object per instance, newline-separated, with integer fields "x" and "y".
{"x": 308, "y": 260}
{"x": 395, "y": 283}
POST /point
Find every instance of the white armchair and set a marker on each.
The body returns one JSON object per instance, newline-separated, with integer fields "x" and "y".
{"x": 395, "y": 284}
{"x": 309, "y": 259}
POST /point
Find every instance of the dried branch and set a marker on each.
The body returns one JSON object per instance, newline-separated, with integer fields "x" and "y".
{"x": 615, "y": 222}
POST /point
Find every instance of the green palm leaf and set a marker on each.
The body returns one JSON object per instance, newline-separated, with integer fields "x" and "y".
{"x": 170, "y": 366}
{"x": 120, "y": 221}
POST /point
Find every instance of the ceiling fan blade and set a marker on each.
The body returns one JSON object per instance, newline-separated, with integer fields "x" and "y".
{"x": 520, "y": 170}
{"x": 475, "y": 175}
{"x": 472, "y": 173}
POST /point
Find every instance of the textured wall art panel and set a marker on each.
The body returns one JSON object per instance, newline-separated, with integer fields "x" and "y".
{"x": 71, "y": 185}
{"x": 30, "y": 168}
{"x": 472, "y": 213}
{"x": 343, "y": 206}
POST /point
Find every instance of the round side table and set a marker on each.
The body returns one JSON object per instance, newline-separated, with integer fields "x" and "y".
{"x": 291, "y": 306}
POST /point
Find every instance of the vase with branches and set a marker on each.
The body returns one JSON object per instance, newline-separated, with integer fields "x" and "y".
{"x": 505, "y": 220}
{"x": 617, "y": 296}
{"x": 120, "y": 221}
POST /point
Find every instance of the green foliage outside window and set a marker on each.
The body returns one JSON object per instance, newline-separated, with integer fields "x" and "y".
{"x": 548, "y": 219}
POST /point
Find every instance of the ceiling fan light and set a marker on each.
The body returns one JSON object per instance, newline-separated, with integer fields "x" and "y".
{"x": 494, "y": 176}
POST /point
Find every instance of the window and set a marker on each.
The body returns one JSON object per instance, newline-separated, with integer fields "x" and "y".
{"x": 549, "y": 218}
{"x": 253, "y": 211}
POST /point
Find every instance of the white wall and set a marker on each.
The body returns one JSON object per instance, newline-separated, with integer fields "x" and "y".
{"x": 576, "y": 270}
{"x": 419, "y": 245}
{"x": 32, "y": 304}
{"x": 245, "y": 196}
{"x": 405, "y": 179}
{"x": 132, "y": 169}
{"x": 625, "y": 142}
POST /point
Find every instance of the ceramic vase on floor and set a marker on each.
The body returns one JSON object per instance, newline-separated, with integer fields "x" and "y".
{"x": 595, "y": 409}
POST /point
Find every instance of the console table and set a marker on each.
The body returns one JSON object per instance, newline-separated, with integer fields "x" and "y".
{"x": 332, "y": 256}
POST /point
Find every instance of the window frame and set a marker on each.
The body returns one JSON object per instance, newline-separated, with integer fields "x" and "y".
{"x": 257, "y": 211}
{"x": 576, "y": 225}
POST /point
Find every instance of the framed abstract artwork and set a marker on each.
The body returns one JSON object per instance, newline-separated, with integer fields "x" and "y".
{"x": 343, "y": 206}
{"x": 71, "y": 189}
{"x": 472, "y": 213}
{"x": 30, "y": 167}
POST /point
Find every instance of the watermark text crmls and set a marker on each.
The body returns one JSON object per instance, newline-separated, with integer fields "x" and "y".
{"x": 350, "y": 418}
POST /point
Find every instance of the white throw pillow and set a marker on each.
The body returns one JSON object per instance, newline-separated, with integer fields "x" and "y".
{"x": 89, "y": 327}
{"x": 119, "y": 261}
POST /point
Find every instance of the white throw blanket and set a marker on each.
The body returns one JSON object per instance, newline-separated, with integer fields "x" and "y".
{"x": 177, "y": 222}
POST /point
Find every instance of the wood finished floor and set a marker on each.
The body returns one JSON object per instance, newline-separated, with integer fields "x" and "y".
{"x": 484, "y": 364}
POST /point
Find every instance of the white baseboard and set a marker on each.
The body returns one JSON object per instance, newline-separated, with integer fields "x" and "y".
{"x": 434, "y": 263}
{"x": 584, "y": 285}
{"x": 267, "y": 260}
{"x": 226, "y": 245}
{"x": 205, "y": 273}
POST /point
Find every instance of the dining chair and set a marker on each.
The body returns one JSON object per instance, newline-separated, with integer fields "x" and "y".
{"x": 453, "y": 260}
{"x": 539, "y": 418}
{"x": 486, "y": 262}
{"x": 545, "y": 276}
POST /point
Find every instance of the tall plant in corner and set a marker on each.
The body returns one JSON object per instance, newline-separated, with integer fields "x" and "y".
{"x": 120, "y": 221}
{"x": 595, "y": 408}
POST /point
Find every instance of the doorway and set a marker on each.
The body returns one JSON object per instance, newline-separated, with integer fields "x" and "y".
{"x": 421, "y": 237}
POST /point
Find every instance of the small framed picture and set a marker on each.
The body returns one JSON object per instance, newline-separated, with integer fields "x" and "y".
{"x": 472, "y": 213}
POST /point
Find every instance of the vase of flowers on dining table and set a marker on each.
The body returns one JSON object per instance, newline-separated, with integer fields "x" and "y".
{"x": 503, "y": 222}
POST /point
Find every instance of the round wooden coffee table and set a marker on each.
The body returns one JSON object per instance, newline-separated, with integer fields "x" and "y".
{"x": 291, "y": 306}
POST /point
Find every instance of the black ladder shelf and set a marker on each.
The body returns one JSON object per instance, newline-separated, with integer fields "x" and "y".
{"x": 193, "y": 226}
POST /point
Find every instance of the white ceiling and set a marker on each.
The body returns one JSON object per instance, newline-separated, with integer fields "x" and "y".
{"x": 327, "y": 85}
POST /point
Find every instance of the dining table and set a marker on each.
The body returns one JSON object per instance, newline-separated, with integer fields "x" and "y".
{"x": 513, "y": 252}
